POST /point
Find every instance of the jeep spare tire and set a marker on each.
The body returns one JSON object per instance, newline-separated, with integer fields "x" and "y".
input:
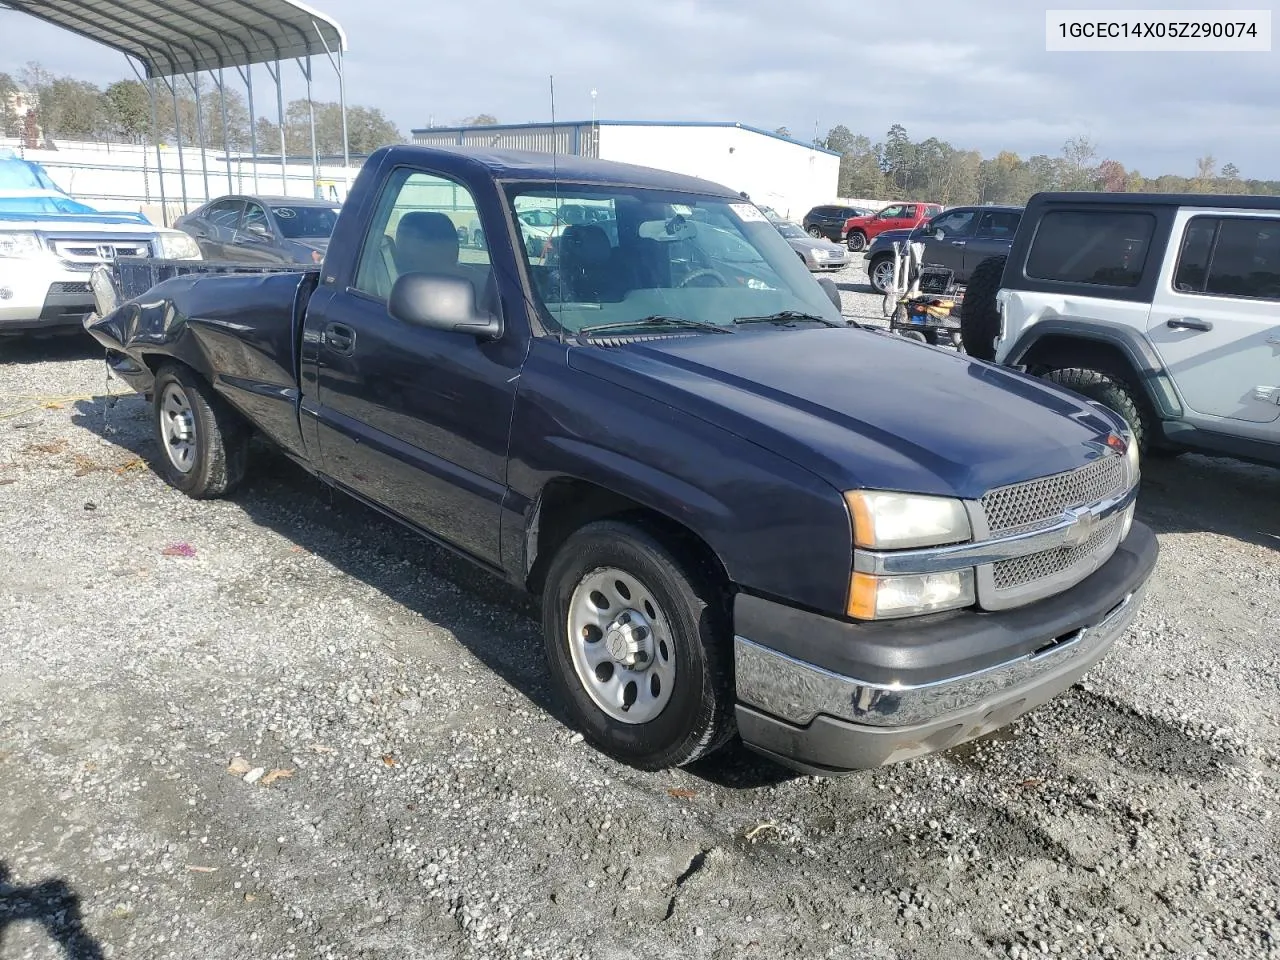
{"x": 979, "y": 316}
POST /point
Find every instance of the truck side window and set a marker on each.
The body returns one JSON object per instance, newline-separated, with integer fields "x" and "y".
{"x": 998, "y": 225}
{"x": 1102, "y": 247}
{"x": 1246, "y": 259}
{"x": 423, "y": 224}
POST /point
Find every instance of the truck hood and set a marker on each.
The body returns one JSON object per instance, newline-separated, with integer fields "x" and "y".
{"x": 76, "y": 223}
{"x": 862, "y": 409}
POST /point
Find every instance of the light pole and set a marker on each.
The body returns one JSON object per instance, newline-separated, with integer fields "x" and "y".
{"x": 595, "y": 130}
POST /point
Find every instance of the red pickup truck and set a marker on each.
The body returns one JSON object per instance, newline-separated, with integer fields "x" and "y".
{"x": 859, "y": 231}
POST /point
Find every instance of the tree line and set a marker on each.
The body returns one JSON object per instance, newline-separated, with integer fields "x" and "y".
{"x": 69, "y": 109}
{"x": 932, "y": 169}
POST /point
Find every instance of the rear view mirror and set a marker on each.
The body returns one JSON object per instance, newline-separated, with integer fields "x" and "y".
{"x": 441, "y": 302}
{"x": 833, "y": 292}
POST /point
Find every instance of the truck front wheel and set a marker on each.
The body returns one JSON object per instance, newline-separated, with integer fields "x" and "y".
{"x": 204, "y": 444}
{"x": 856, "y": 240}
{"x": 638, "y": 645}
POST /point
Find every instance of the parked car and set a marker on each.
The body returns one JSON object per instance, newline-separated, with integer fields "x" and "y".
{"x": 244, "y": 229}
{"x": 1163, "y": 307}
{"x": 896, "y": 216}
{"x": 49, "y": 243}
{"x": 728, "y": 500}
{"x": 818, "y": 254}
{"x": 958, "y": 239}
{"x": 829, "y": 220}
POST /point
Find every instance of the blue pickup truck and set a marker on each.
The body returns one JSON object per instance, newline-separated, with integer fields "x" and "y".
{"x": 725, "y": 495}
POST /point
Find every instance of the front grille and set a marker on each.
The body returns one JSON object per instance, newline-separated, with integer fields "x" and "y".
{"x": 1024, "y": 571}
{"x": 98, "y": 251}
{"x": 1042, "y": 501}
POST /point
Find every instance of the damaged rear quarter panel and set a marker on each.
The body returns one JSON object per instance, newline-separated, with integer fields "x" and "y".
{"x": 240, "y": 332}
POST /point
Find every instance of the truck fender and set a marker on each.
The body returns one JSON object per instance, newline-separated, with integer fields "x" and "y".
{"x": 1147, "y": 369}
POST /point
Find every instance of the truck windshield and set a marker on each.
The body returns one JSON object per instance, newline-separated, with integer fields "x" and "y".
{"x": 621, "y": 255}
{"x": 306, "y": 223}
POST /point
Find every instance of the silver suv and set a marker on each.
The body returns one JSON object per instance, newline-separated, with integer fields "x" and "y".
{"x": 1164, "y": 307}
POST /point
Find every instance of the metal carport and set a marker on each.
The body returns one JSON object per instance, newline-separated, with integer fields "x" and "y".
{"x": 167, "y": 39}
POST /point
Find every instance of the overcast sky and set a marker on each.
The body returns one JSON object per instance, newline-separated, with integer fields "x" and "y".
{"x": 972, "y": 72}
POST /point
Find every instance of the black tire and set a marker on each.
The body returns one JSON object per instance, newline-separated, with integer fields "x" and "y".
{"x": 220, "y": 436}
{"x": 698, "y": 718}
{"x": 876, "y": 265}
{"x": 1115, "y": 394}
{"x": 979, "y": 316}
{"x": 815, "y": 232}
{"x": 856, "y": 241}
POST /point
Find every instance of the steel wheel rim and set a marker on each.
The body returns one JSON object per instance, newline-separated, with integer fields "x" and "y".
{"x": 178, "y": 428}
{"x": 882, "y": 276}
{"x": 621, "y": 645}
{"x": 815, "y": 232}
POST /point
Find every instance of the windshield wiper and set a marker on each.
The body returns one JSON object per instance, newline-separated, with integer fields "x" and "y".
{"x": 785, "y": 317}
{"x": 670, "y": 323}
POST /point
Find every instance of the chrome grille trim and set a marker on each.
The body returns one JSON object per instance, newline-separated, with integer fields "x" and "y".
{"x": 1041, "y": 501}
{"x": 93, "y": 250}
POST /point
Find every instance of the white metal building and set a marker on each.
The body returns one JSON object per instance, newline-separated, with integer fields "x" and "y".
{"x": 774, "y": 170}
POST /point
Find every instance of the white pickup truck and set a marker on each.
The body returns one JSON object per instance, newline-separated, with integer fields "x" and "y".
{"x": 50, "y": 243}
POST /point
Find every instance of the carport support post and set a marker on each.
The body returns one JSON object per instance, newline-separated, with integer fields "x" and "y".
{"x": 226, "y": 150}
{"x": 305, "y": 67}
{"x": 342, "y": 105}
{"x": 177, "y": 135}
{"x": 204, "y": 159}
{"x": 247, "y": 76}
{"x": 284, "y": 169}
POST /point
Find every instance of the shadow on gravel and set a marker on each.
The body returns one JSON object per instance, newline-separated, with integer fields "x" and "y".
{"x": 1195, "y": 493}
{"x": 856, "y": 287}
{"x": 55, "y": 906}
{"x": 26, "y": 349}
{"x": 496, "y": 622}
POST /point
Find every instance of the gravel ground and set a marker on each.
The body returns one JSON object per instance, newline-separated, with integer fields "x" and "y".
{"x": 280, "y": 727}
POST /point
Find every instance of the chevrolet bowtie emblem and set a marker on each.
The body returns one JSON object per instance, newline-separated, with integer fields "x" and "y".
{"x": 1084, "y": 523}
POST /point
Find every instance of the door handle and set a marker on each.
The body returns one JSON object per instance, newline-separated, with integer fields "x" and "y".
{"x": 958, "y": 243}
{"x": 1188, "y": 323}
{"x": 339, "y": 337}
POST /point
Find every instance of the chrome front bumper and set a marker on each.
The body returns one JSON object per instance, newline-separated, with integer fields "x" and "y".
{"x": 823, "y": 720}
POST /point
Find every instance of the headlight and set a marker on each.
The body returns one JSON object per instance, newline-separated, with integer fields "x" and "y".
{"x": 19, "y": 243}
{"x": 881, "y": 598}
{"x": 176, "y": 245}
{"x": 893, "y": 521}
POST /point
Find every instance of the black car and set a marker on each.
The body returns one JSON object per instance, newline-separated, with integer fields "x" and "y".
{"x": 959, "y": 239}
{"x": 828, "y": 221}
{"x": 243, "y": 229}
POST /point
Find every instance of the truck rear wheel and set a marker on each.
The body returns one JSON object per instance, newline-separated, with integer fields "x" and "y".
{"x": 638, "y": 645}
{"x": 204, "y": 444}
{"x": 979, "y": 316}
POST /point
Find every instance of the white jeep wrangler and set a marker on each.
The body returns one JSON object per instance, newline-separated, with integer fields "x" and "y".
{"x": 1164, "y": 307}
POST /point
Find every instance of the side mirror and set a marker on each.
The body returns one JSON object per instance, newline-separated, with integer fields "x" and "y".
{"x": 258, "y": 231}
{"x": 939, "y": 235}
{"x": 441, "y": 302}
{"x": 833, "y": 292}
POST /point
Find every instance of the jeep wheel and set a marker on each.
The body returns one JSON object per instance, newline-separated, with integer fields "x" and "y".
{"x": 815, "y": 232}
{"x": 1115, "y": 394}
{"x": 881, "y": 274}
{"x": 204, "y": 444}
{"x": 856, "y": 241}
{"x": 979, "y": 316}
{"x": 639, "y": 647}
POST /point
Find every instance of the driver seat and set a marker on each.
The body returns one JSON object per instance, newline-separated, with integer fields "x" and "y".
{"x": 588, "y": 265}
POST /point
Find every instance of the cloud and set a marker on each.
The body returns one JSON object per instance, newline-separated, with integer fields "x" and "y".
{"x": 973, "y": 73}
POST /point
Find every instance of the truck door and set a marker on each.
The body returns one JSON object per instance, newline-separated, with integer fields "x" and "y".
{"x": 992, "y": 238}
{"x": 417, "y": 420}
{"x": 957, "y": 228}
{"x": 1215, "y": 319}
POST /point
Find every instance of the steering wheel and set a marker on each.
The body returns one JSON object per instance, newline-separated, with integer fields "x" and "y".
{"x": 705, "y": 272}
